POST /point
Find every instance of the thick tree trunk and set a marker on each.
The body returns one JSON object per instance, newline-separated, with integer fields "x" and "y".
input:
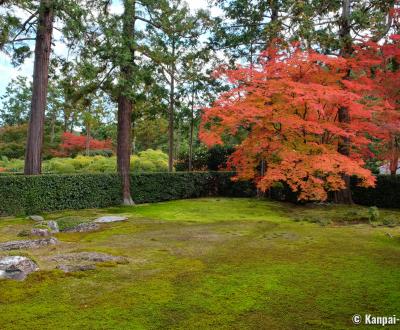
{"x": 125, "y": 106}
{"x": 34, "y": 145}
{"x": 124, "y": 147}
{"x": 171, "y": 115}
{"x": 344, "y": 195}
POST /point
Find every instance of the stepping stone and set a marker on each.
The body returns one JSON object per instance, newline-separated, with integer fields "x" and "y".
{"x": 36, "y": 218}
{"x": 40, "y": 232}
{"x": 16, "y": 267}
{"x": 82, "y": 261}
{"x": 83, "y": 228}
{"x": 28, "y": 244}
{"x": 110, "y": 218}
{"x": 90, "y": 257}
{"x": 53, "y": 225}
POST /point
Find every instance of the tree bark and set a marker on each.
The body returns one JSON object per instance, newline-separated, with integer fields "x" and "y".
{"x": 87, "y": 142}
{"x": 171, "y": 114}
{"x": 125, "y": 106}
{"x": 191, "y": 132}
{"x": 34, "y": 145}
{"x": 394, "y": 156}
{"x": 344, "y": 196}
{"x": 124, "y": 147}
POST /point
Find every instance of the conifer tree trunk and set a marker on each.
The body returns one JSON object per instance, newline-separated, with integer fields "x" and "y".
{"x": 344, "y": 196}
{"x": 125, "y": 106}
{"x": 171, "y": 114}
{"x": 124, "y": 147}
{"x": 191, "y": 132}
{"x": 34, "y": 145}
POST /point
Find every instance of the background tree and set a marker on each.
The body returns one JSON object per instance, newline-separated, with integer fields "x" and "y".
{"x": 15, "y": 102}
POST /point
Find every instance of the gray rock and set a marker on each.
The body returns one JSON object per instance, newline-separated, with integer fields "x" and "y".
{"x": 110, "y": 218}
{"x": 40, "y": 232}
{"x": 16, "y": 267}
{"x": 75, "y": 268}
{"x": 89, "y": 257}
{"x": 83, "y": 227}
{"x": 28, "y": 244}
{"x": 36, "y": 218}
{"x": 53, "y": 225}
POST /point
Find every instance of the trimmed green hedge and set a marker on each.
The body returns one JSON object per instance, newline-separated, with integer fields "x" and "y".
{"x": 21, "y": 194}
{"x": 385, "y": 194}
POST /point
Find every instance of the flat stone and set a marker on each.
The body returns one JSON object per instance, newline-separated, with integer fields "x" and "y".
{"x": 40, "y": 232}
{"x": 75, "y": 268}
{"x": 89, "y": 256}
{"x": 36, "y": 218}
{"x": 83, "y": 227}
{"x": 28, "y": 244}
{"x": 53, "y": 225}
{"x": 16, "y": 267}
{"x": 110, "y": 218}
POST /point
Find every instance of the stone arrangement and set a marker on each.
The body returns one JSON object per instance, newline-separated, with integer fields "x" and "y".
{"x": 19, "y": 267}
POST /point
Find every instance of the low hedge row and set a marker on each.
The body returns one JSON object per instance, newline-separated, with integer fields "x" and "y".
{"x": 385, "y": 194}
{"x": 21, "y": 194}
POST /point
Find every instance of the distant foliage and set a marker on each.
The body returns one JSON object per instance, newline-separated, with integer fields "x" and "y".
{"x": 205, "y": 159}
{"x": 72, "y": 144}
{"x": 146, "y": 161}
{"x": 149, "y": 161}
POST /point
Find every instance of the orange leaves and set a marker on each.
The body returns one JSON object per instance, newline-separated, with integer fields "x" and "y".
{"x": 285, "y": 111}
{"x": 72, "y": 143}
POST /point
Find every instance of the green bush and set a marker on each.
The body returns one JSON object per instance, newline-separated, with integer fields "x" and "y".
{"x": 373, "y": 213}
{"x": 20, "y": 194}
{"x": 146, "y": 161}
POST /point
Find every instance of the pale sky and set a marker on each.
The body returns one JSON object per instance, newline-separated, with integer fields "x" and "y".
{"x": 7, "y": 71}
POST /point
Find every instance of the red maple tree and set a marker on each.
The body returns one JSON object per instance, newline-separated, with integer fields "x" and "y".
{"x": 285, "y": 112}
{"x": 72, "y": 144}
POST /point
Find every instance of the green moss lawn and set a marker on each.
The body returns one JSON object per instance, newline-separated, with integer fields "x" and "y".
{"x": 213, "y": 264}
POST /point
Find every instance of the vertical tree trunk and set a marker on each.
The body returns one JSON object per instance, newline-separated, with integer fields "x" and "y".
{"x": 53, "y": 127}
{"x": 125, "y": 106}
{"x": 171, "y": 114}
{"x": 394, "y": 156}
{"x": 124, "y": 146}
{"x": 191, "y": 132}
{"x": 34, "y": 145}
{"x": 87, "y": 142}
{"x": 344, "y": 195}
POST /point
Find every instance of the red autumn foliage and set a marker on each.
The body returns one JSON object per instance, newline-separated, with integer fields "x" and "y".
{"x": 285, "y": 111}
{"x": 72, "y": 144}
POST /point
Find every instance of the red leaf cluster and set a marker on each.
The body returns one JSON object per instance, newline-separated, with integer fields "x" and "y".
{"x": 72, "y": 143}
{"x": 285, "y": 111}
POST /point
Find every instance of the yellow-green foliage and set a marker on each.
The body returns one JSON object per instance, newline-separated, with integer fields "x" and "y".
{"x": 146, "y": 161}
{"x": 149, "y": 161}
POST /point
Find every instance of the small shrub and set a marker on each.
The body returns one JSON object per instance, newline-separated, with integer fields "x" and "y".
{"x": 24, "y": 233}
{"x": 390, "y": 222}
{"x": 69, "y": 222}
{"x": 373, "y": 213}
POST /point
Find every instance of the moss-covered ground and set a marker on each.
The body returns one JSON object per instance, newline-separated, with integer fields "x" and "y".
{"x": 213, "y": 264}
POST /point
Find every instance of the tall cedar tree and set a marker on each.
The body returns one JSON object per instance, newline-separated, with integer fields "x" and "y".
{"x": 125, "y": 106}
{"x": 34, "y": 144}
